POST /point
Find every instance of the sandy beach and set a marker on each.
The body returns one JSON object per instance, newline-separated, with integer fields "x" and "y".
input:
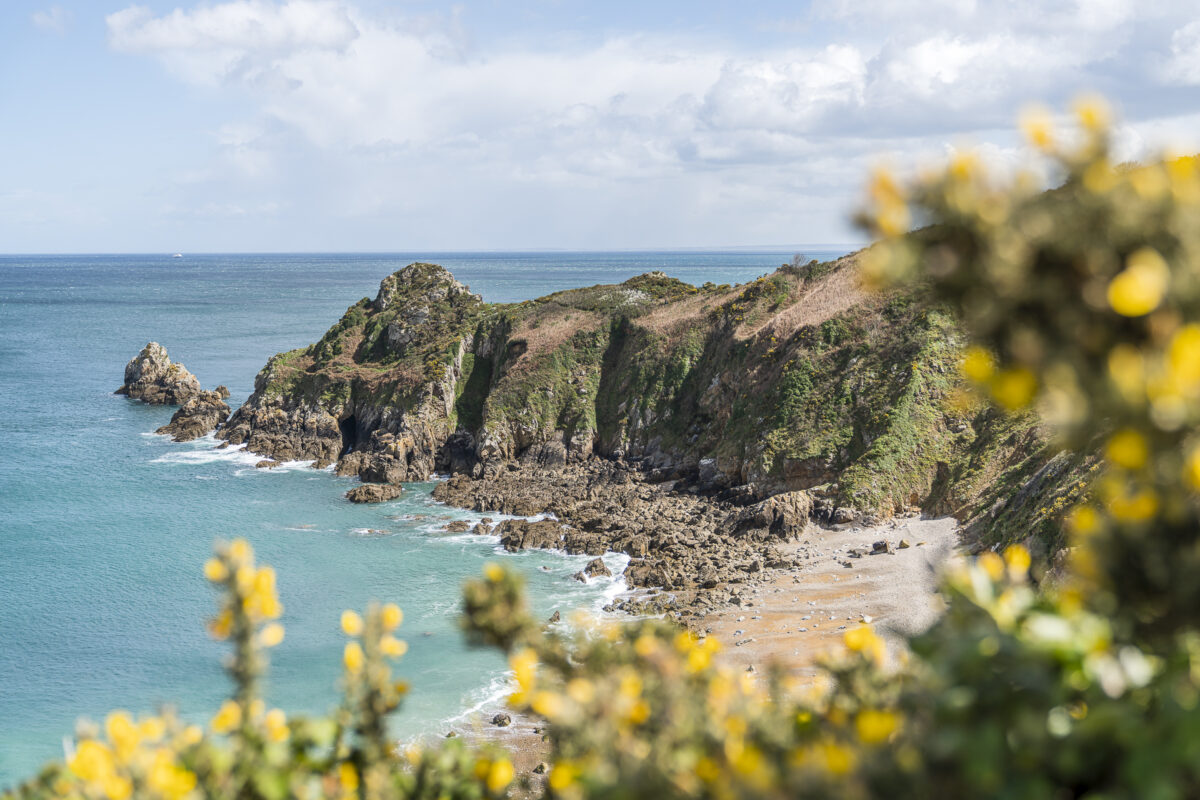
{"x": 799, "y": 614}
{"x": 796, "y": 615}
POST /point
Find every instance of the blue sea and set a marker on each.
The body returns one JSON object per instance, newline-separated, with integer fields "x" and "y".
{"x": 104, "y": 526}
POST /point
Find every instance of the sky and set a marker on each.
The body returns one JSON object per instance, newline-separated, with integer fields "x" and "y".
{"x": 321, "y": 125}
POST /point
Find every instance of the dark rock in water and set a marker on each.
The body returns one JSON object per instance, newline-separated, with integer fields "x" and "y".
{"x": 151, "y": 377}
{"x": 579, "y": 576}
{"x": 555, "y": 617}
{"x": 457, "y": 526}
{"x": 502, "y": 720}
{"x": 199, "y": 416}
{"x": 374, "y": 467}
{"x": 223, "y": 391}
{"x": 580, "y": 543}
{"x": 373, "y": 493}
{"x": 520, "y": 534}
{"x": 595, "y": 568}
{"x": 267, "y": 463}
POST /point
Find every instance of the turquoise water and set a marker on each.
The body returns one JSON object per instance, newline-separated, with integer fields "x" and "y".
{"x": 104, "y": 526}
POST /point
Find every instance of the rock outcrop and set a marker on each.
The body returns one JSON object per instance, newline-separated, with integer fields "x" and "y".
{"x": 199, "y": 416}
{"x": 153, "y": 378}
{"x": 374, "y": 493}
{"x": 774, "y": 384}
{"x": 756, "y": 407}
{"x": 676, "y": 539}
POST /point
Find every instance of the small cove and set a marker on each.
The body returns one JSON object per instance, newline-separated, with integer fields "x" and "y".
{"x": 105, "y": 526}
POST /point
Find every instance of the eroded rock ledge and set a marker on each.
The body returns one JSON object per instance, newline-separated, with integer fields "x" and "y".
{"x": 675, "y": 539}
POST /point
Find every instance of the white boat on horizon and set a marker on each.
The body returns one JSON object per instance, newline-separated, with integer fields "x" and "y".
{"x": 177, "y": 255}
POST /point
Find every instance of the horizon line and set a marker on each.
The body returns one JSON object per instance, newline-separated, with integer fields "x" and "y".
{"x": 763, "y": 248}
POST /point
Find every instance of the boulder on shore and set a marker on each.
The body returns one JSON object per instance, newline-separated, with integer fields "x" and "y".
{"x": 596, "y": 567}
{"x": 151, "y": 377}
{"x": 374, "y": 493}
{"x": 199, "y": 416}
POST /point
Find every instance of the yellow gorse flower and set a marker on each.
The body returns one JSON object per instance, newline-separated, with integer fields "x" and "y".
{"x": 391, "y": 616}
{"x": 276, "y": 725}
{"x": 352, "y": 624}
{"x": 215, "y": 570}
{"x": 1140, "y": 288}
{"x": 978, "y": 364}
{"x": 1127, "y": 448}
{"x": 1037, "y": 125}
{"x": 1014, "y": 388}
{"x": 352, "y": 657}
{"x": 271, "y": 635}
{"x": 392, "y": 647}
{"x": 874, "y": 727}
{"x": 499, "y": 775}
{"x": 227, "y": 718}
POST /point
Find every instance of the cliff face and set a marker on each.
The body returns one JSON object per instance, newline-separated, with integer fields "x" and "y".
{"x": 798, "y": 380}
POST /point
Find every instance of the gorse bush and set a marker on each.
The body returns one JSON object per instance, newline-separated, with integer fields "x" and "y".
{"x": 1083, "y": 302}
{"x": 247, "y": 751}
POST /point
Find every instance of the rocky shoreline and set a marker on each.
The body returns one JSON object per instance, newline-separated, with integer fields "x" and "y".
{"x": 153, "y": 378}
{"x": 695, "y": 548}
{"x": 698, "y": 430}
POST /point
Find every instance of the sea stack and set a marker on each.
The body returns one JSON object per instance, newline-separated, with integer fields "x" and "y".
{"x": 151, "y": 377}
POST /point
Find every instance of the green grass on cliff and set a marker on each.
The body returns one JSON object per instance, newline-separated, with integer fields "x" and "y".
{"x": 794, "y": 380}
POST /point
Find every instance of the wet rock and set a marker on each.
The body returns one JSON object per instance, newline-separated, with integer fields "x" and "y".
{"x": 520, "y": 534}
{"x": 153, "y": 378}
{"x": 457, "y": 526}
{"x": 595, "y": 568}
{"x": 373, "y": 493}
{"x": 199, "y": 416}
{"x": 555, "y": 617}
{"x": 502, "y": 720}
{"x": 267, "y": 463}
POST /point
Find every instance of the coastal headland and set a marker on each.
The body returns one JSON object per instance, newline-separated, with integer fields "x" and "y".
{"x": 731, "y": 440}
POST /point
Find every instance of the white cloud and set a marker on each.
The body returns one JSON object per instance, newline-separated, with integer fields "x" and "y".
{"x": 236, "y": 40}
{"x": 405, "y": 118}
{"x": 54, "y": 19}
{"x": 1183, "y": 64}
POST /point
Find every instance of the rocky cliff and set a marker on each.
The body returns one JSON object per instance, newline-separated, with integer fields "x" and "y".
{"x": 799, "y": 380}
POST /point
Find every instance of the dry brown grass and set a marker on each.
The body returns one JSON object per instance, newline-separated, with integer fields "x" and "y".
{"x": 670, "y": 318}
{"x": 819, "y": 301}
{"x": 549, "y": 329}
